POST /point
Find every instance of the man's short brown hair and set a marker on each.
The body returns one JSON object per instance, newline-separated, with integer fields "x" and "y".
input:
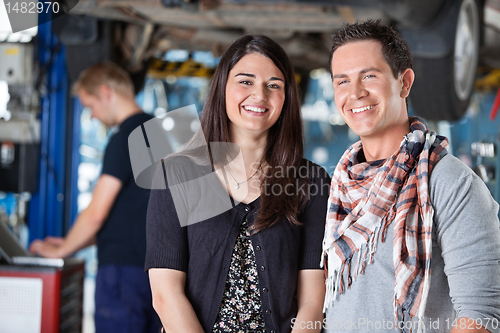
{"x": 395, "y": 50}
{"x": 106, "y": 73}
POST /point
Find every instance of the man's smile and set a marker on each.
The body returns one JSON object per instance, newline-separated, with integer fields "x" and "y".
{"x": 361, "y": 109}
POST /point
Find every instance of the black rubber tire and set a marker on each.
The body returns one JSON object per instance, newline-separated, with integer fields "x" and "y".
{"x": 80, "y": 57}
{"x": 433, "y": 95}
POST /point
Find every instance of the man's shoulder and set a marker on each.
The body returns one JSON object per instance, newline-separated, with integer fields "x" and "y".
{"x": 451, "y": 181}
{"x": 128, "y": 125}
{"x": 448, "y": 176}
{"x": 132, "y": 122}
{"x": 448, "y": 170}
{"x": 141, "y": 117}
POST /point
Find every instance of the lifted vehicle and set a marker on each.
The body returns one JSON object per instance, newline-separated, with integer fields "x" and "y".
{"x": 444, "y": 35}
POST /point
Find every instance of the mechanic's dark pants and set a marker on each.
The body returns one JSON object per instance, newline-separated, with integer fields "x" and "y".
{"x": 123, "y": 301}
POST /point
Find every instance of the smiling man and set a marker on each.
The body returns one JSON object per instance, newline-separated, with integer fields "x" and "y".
{"x": 412, "y": 240}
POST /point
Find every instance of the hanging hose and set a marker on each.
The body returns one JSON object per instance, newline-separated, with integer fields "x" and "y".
{"x": 496, "y": 106}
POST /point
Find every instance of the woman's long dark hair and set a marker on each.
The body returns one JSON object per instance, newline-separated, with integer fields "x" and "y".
{"x": 284, "y": 147}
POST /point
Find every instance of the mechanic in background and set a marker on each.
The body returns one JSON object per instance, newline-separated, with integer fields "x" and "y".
{"x": 115, "y": 218}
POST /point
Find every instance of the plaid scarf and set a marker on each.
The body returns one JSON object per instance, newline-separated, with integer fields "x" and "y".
{"x": 365, "y": 198}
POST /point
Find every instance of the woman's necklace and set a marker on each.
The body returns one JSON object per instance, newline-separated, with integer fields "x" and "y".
{"x": 243, "y": 182}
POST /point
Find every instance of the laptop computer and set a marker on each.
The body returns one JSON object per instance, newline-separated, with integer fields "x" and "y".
{"x": 15, "y": 254}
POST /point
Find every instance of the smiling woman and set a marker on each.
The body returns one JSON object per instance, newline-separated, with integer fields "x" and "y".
{"x": 255, "y": 266}
{"x": 255, "y": 93}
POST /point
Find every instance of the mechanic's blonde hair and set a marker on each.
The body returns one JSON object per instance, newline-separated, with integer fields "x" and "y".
{"x": 106, "y": 73}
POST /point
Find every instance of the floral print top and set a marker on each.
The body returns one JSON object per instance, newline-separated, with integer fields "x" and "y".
{"x": 241, "y": 308}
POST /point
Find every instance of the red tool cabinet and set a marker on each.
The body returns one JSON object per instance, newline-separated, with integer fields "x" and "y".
{"x": 42, "y": 299}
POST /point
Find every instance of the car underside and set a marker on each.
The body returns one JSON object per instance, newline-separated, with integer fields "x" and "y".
{"x": 444, "y": 36}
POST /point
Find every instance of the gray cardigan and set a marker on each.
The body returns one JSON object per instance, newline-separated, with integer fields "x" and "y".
{"x": 465, "y": 278}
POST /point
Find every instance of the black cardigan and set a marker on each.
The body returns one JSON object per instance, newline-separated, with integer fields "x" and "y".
{"x": 203, "y": 249}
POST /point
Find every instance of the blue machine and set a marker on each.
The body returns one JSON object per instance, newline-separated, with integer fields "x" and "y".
{"x": 50, "y": 207}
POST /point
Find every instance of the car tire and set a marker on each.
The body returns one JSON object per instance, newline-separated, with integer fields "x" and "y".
{"x": 82, "y": 56}
{"x": 443, "y": 86}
